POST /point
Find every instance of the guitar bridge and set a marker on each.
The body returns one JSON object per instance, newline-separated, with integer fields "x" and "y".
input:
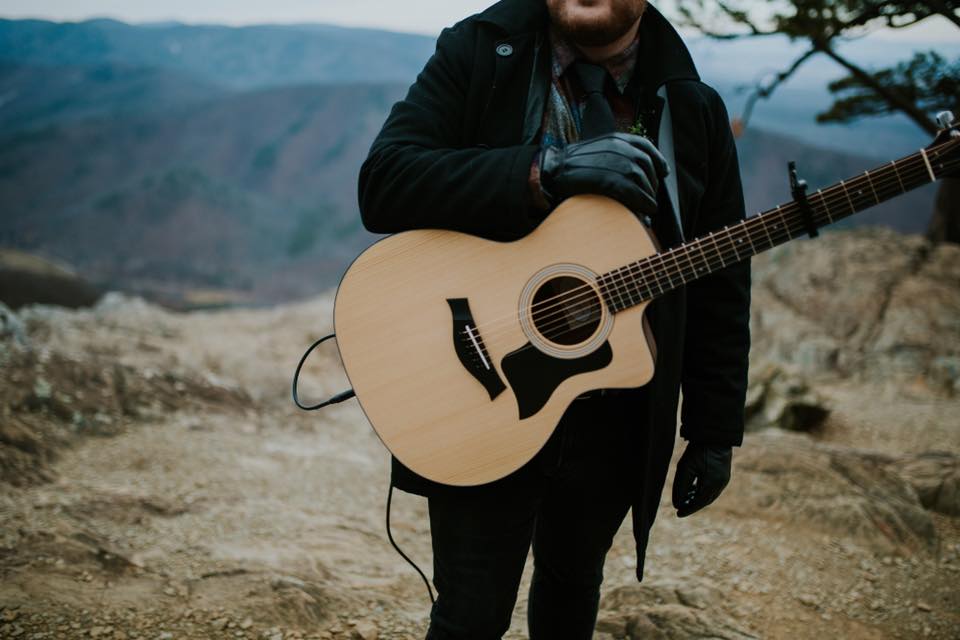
{"x": 470, "y": 349}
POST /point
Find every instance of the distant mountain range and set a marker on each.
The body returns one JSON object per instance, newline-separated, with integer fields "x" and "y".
{"x": 218, "y": 194}
{"x": 268, "y": 56}
{"x": 168, "y": 159}
{"x": 234, "y": 57}
{"x": 34, "y": 96}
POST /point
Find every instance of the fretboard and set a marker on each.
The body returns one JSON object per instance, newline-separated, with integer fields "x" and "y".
{"x": 662, "y": 272}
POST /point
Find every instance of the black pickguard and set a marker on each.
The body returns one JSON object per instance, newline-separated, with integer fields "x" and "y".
{"x": 534, "y": 375}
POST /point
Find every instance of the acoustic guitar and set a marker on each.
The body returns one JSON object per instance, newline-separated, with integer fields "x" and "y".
{"x": 464, "y": 353}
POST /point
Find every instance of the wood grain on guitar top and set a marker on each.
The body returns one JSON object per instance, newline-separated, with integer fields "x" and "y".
{"x": 394, "y": 332}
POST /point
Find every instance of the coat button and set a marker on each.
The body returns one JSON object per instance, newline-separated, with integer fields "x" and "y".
{"x": 504, "y": 50}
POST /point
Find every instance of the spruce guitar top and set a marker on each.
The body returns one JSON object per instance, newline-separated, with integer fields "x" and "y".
{"x": 464, "y": 353}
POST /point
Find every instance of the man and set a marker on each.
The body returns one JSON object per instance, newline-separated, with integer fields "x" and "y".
{"x": 505, "y": 121}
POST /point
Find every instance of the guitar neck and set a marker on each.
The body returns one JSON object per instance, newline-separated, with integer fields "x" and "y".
{"x": 663, "y": 272}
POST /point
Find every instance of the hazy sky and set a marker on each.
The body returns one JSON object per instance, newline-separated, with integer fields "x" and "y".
{"x": 419, "y": 16}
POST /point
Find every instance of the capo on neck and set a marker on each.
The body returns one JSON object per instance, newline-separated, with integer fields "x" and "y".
{"x": 798, "y": 188}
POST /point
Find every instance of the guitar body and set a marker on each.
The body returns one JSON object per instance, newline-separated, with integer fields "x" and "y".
{"x": 465, "y": 353}
{"x": 430, "y": 327}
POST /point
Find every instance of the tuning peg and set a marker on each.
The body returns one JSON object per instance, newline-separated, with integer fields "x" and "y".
{"x": 945, "y": 119}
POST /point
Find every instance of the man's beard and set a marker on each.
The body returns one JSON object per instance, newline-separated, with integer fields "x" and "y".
{"x": 599, "y": 32}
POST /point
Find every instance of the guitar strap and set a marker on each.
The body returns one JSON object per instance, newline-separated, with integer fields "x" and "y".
{"x": 665, "y": 143}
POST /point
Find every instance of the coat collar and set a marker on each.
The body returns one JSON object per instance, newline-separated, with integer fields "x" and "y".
{"x": 515, "y": 17}
{"x": 660, "y": 41}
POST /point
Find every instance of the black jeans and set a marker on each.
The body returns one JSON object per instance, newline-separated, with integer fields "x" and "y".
{"x": 568, "y": 501}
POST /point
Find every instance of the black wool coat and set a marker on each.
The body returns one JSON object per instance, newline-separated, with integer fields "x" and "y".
{"x": 456, "y": 154}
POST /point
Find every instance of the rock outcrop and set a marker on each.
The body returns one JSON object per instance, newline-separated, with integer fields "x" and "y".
{"x": 935, "y": 476}
{"x": 28, "y": 279}
{"x": 833, "y": 490}
{"x": 871, "y": 305}
{"x": 668, "y": 611}
{"x": 50, "y": 398}
{"x": 781, "y": 398}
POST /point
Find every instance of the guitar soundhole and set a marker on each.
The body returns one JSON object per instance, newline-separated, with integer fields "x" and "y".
{"x": 566, "y": 310}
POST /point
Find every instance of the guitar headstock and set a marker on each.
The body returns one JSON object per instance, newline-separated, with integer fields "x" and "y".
{"x": 949, "y": 128}
{"x": 946, "y": 146}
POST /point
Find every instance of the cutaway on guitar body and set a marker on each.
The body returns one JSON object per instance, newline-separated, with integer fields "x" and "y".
{"x": 550, "y": 316}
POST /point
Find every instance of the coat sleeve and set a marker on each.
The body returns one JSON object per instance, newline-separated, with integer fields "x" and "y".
{"x": 421, "y": 173}
{"x": 717, "y": 337}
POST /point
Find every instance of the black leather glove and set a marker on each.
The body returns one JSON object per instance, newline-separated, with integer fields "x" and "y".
{"x": 702, "y": 473}
{"x": 623, "y": 166}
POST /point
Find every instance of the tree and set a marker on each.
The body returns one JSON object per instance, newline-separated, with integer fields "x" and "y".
{"x": 917, "y": 88}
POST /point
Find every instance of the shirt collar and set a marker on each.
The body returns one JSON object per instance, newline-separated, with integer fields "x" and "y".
{"x": 620, "y": 65}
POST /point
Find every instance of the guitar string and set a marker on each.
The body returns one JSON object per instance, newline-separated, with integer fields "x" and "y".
{"x": 795, "y": 226}
{"x": 757, "y": 233}
{"x": 791, "y": 228}
{"x": 788, "y": 230}
{"x": 730, "y": 240}
{"x": 827, "y": 198}
{"x": 724, "y": 255}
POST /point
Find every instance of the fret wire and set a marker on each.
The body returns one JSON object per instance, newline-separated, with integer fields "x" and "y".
{"x": 781, "y": 223}
{"x": 683, "y": 280}
{"x": 758, "y": 223}
{"x": 893, "y": 163}
{"x": 716, "y": 248}
{"x": 739, "y": 242}
{"x": 736, "y": 242}
{"x": 751, "y": 224}
{"x": 778, "y": 224}
{"x": 662, "y": 257}
{"x": 753, "y": 247}
{"x": 673, "y": 256}
{"x": 857, "y": 195}
{"x": 720, "y": 236}
{"x": 657, "y": 276}
{"x": 633, "y": 291}
{"x": 660, "y": 272}
{"x": 763, "y": 221}
{"x": 605, "y": 289}
{"x": 626, "y": 275}
{"x": 638, "y": 283}
{"x": 819, "y": 195}
{"x": 935, "y": 154}
{"x": 863, "y": 197}
{"x": 638, "y": 266}
{"x": 789, "y": 221}
{"x": 617, "y": 275}
{"x": 853, "y": 209}
{"x": 614, "y": 292}
{"x": 761, "y": 225}
{"x": 738, "y": 235}
{"x": 687, "y": 254}
{"x": 872, "y": 188}
{"x": 699, "y": 243}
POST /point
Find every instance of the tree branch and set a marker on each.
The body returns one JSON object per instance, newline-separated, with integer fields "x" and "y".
{"x": 738, "y": 17}
{"x": 764, "y": 91}
{"x": 892, "y": 97}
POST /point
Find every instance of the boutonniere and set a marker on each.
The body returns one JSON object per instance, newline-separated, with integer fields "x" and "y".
{"x": 639, "y": 128}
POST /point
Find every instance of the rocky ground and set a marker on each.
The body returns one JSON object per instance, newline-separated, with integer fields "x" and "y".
{"x": 156, "y": 482}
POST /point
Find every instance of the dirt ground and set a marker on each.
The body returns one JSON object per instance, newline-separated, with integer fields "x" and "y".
{"x": 190, "y": 499}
